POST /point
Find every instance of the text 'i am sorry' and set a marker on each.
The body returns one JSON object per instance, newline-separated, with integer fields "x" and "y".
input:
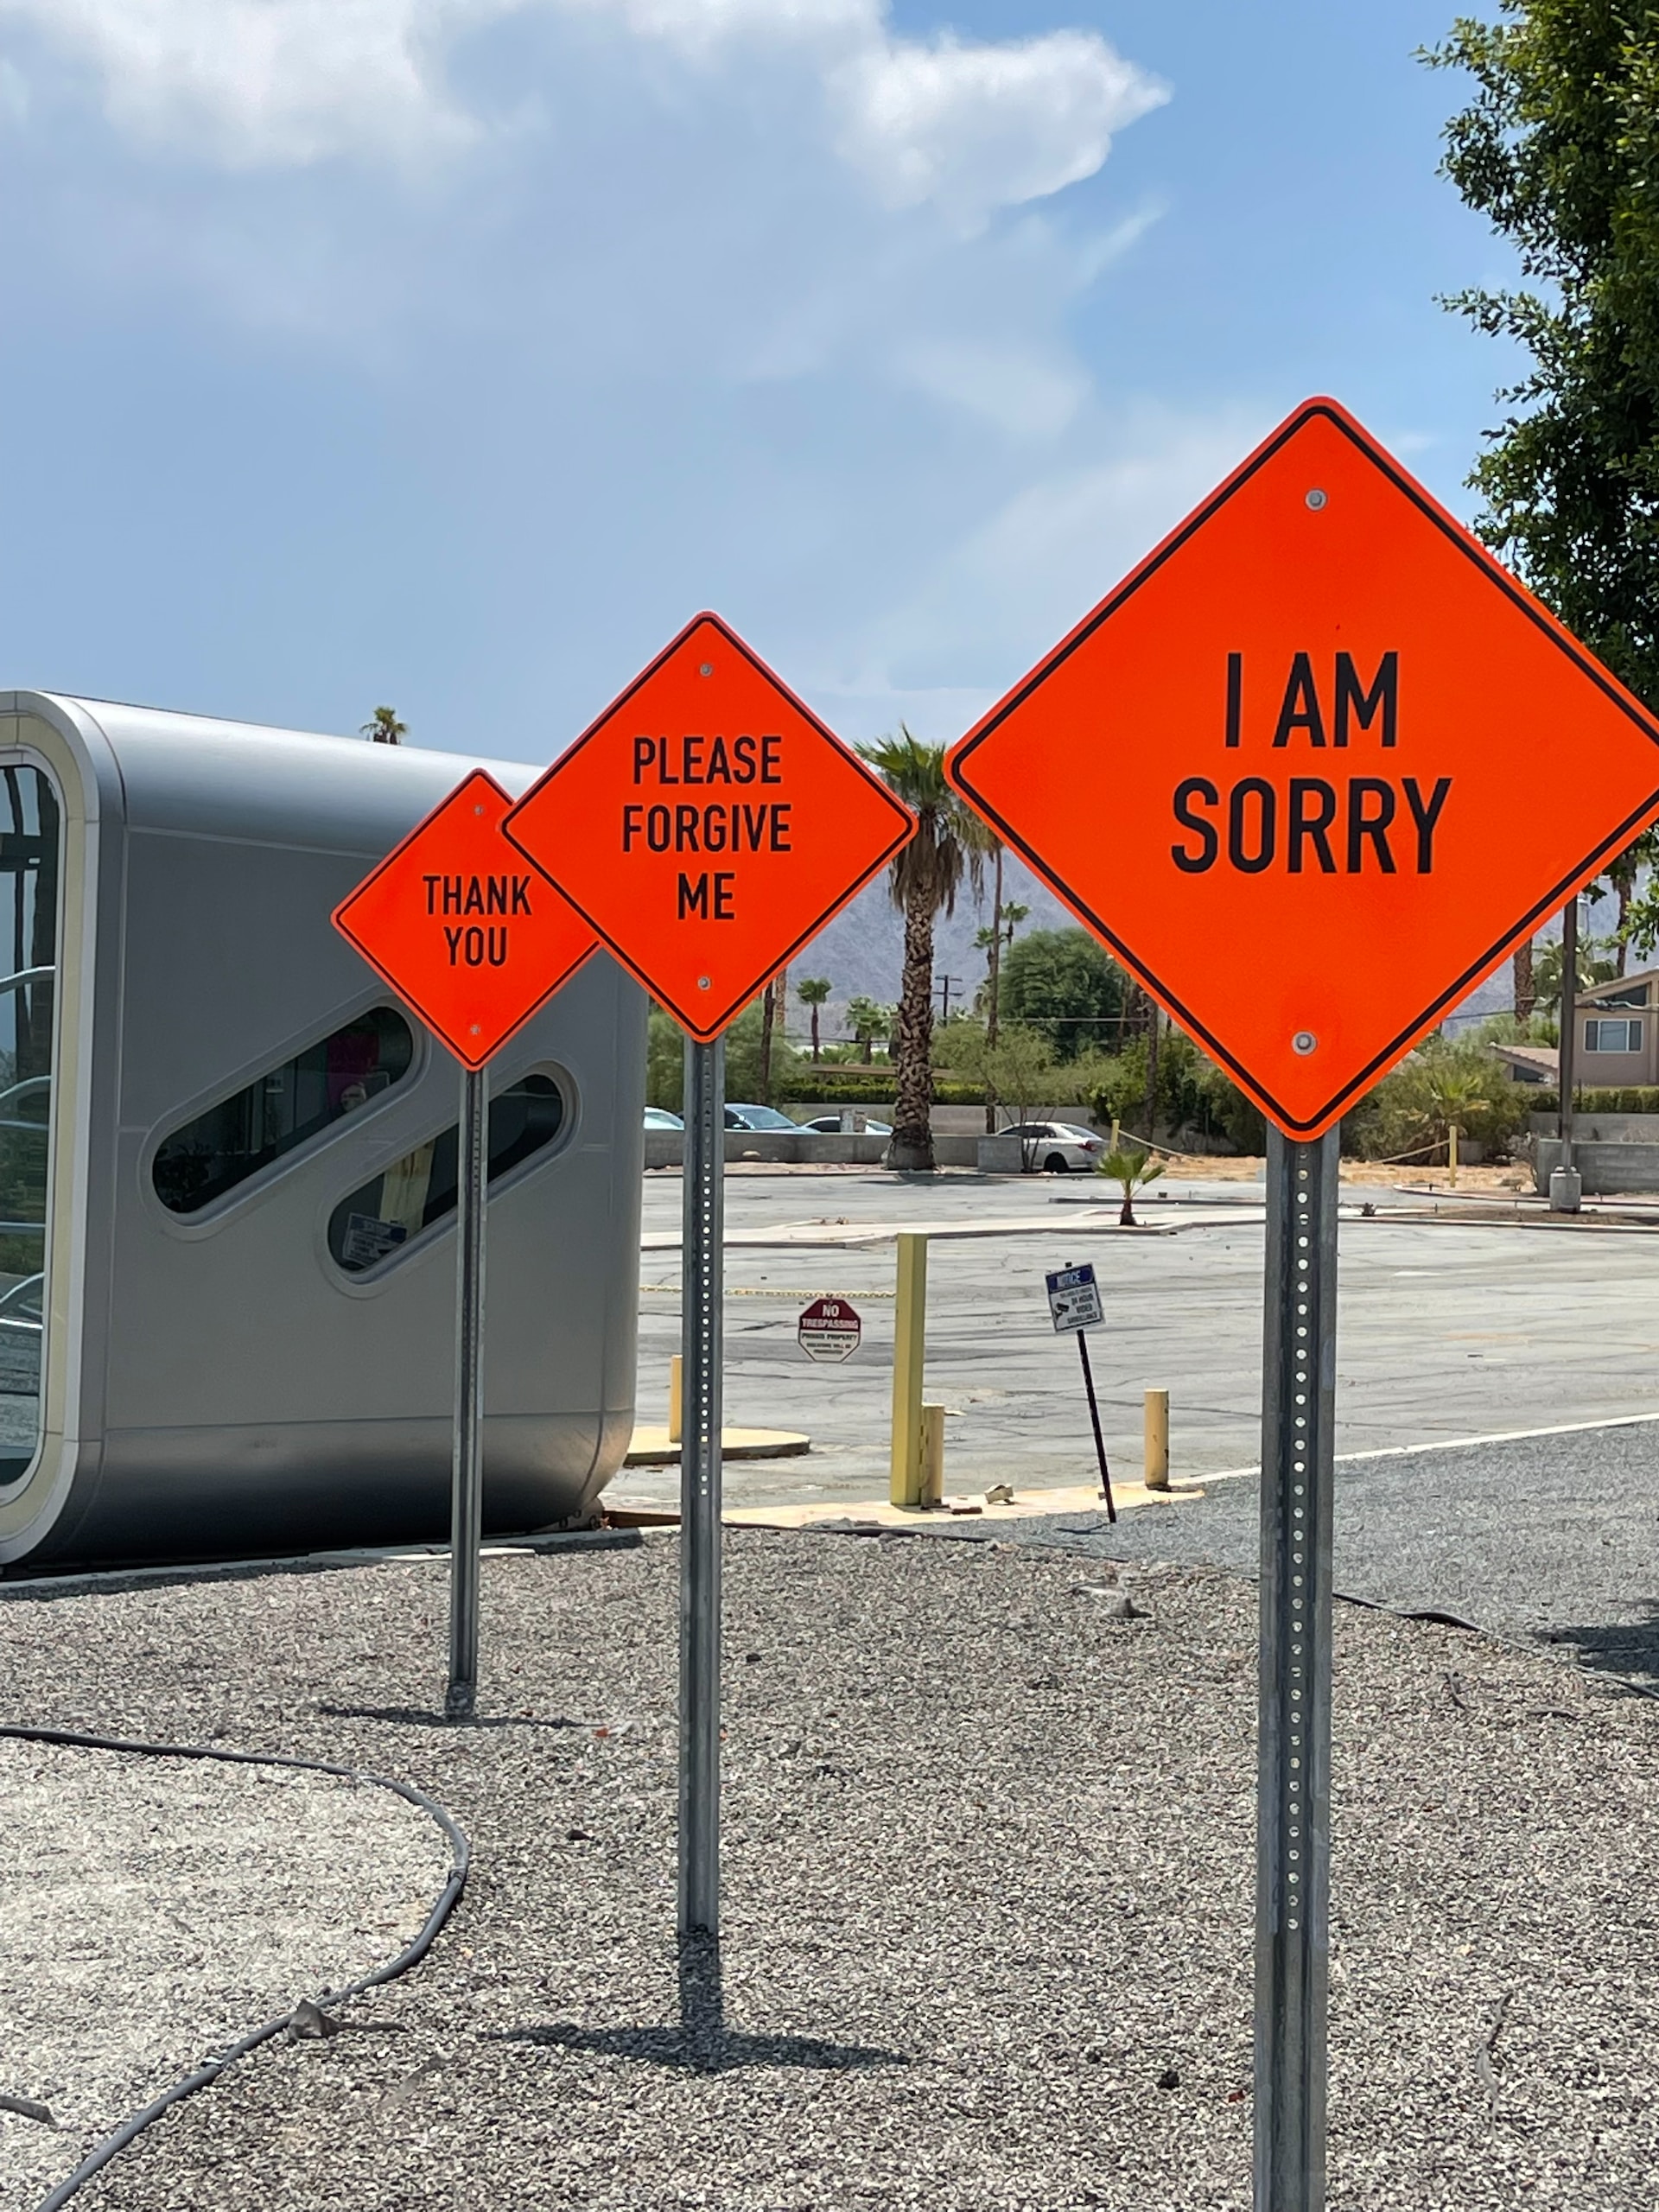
{"x": 1325, "y": 821}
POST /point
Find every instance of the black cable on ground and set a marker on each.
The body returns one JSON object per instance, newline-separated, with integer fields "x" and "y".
{"x": 100, "y": 2155}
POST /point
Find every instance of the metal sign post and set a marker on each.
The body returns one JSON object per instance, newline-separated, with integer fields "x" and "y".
{"x": 467, "y": 1491}
{"x": 473, "y": 984}
{"x": 1074, "y": 1304}
{"x": 702, "y": 1292}
{"x": 1293, "y": 1777}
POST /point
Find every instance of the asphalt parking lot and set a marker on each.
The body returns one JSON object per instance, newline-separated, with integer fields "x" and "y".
{"x": 1447, "y": 1329}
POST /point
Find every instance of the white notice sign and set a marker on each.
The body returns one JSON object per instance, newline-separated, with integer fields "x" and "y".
{"x": 1074, "y": 1298}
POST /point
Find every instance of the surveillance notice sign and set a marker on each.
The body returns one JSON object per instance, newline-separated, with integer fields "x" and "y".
{"x": 1073, "y": 1298}
{"x": 829, "y": 1329}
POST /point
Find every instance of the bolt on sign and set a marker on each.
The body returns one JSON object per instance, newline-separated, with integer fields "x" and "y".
{"x": 467, "y": 932}
{"x": 707, "y": 825}
{"x": 1314, "y": 768}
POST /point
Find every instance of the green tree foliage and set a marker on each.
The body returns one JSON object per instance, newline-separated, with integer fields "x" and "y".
{"x": 1196, "y": 1102}
{"x": 1559, "y": 149}
{"x": 814, "y": 991}
{"x": 871, "y": 1024}
{"x": 1131, "y": 1171}
{"x": 1445, "y": 1080}
{"x": 382, "y": 728}
{"x": 666, "y": 1060}
{"x": 1062, "y": 982}
{"x": 1597, "y": 964}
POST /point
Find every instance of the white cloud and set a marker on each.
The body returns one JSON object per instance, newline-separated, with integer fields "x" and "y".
{"x": 970, "y": 126}
{"x": 1020, "y": 580}
{"x": 250, "y": 82}
{"x": 977, "y": 127}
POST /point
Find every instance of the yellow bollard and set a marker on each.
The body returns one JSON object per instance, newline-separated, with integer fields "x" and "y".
{"x": 1115, "y": 1129}
{"x": 909, "y": 1350}
{"x": 1451, "y": 1154}
{"x": 932, "y": 1478}
{"x": 1156, "y": 1475}
{"x": 675, "y": 1399}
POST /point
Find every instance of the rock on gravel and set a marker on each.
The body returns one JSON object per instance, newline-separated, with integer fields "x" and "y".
{"x": 988, "y": 1929}
{"x": 155, "y": 1910}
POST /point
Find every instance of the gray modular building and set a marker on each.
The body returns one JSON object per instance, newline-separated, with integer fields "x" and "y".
{"x": 227, "y": 1164}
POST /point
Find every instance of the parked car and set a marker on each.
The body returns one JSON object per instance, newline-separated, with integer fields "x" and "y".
{"x": 759, "y": 1118}
{"x": 829, "y": 1125}
{"x": 1056, "y": 1146}
{"x": 659, "y": 1117}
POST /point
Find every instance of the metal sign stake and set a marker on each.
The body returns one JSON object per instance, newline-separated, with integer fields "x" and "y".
{"x": 1293, "y": 1780}
{"x": 701, "y": 1295}
{"x": 1094, "y": 1415}
{"x": 467, "y": 1493}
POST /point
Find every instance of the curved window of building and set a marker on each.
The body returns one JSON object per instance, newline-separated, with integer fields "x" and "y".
{"x": 284, "y": 1108}
{"x": 30, "y": 851}
{"x": 418, "y": 1190}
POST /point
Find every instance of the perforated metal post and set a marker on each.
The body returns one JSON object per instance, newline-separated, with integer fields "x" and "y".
{"x": 467, "y": 1485}
{"x": 1294, "y": 1787}
{"x": 702, "y": 1291}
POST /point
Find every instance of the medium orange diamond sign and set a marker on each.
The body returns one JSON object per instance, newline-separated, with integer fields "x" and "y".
{"x": 1314, "y": 768}
{"x": 708, "y": 824}
{"x": 464, "y": 929}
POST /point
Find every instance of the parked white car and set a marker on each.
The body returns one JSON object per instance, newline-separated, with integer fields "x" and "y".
{"x": 1059, "y": 1148}
{"x": 829, "y": 1125}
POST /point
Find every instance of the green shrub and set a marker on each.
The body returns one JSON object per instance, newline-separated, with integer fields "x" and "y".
{"x": 1407, "y": 1113}
{"x": 1619, "y": 1099}
{"x": 846, "y": 1086}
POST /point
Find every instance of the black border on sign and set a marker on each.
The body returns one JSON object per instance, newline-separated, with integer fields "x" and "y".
{"x": 474, "y": 777}
{"x": 707, "y": 1036}
{"x": 956, "y": 761}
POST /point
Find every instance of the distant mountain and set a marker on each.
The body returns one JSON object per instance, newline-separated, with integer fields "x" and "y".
{"x": 862, "y": 951}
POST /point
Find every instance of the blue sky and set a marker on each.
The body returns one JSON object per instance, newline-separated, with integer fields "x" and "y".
{"x": 452, "y": 352}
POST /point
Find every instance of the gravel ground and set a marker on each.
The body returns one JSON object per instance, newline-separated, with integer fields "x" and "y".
{"x": 156, "y": 1909}
{"x": 989, "y": 1880}
{"x": 1552, "y": 1537}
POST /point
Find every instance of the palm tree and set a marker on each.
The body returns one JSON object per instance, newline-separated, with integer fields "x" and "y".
{"x": 384, "y": 727}
{"x": 923, "y": 881}
{"x": 813, "y": 991}
{"x": 868, "y": 1019}
{"x": 1131, "y": 1171}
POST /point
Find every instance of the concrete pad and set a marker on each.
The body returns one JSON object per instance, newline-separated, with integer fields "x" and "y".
{"x": 878, "y": 1513}
{"x": 650, "y": 1446}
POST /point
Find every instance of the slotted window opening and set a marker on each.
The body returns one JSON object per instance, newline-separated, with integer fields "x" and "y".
{"x": 30, "y": 854}
{"x": 378, "y": 1218}
{"x": 216, "y": 1151}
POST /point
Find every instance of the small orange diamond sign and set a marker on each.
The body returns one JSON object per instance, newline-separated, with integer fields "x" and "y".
{"x": 708, "y": 824}
{"x": 467, "y": 933}
{"x": 1314, "y": 768}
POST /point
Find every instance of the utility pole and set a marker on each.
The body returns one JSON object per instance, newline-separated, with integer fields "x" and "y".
{"x": 1565, "y": 1187}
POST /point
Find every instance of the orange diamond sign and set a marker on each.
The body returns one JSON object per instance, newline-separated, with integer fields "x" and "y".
{"x": 467, "y": 933}
{"x": 1314, "y": 768}
{"x": 708, "y": 824}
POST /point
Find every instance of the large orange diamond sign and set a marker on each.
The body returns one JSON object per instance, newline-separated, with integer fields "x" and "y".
{"x": 708, "y": 824}
{"x": 1314, "y": 768}
{"x": 463, "y": 928}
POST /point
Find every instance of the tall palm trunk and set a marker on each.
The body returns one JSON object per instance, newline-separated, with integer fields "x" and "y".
{"x": 911, "y": 1143}
{"x": 768, "y": 1015}
{"x": 1526, "y": 994}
